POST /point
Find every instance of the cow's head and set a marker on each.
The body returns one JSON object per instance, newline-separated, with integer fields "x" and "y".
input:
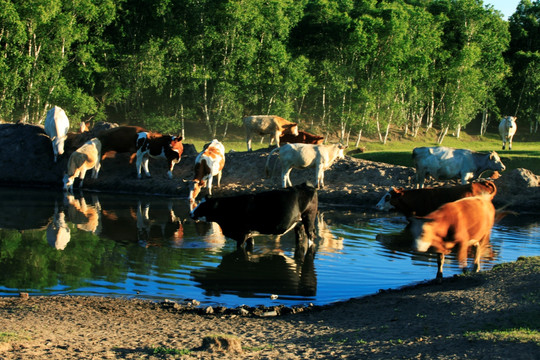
{"x": 176, "y": 144}
{"x": 204, "y": 210}
{"x": 195, "y": 187}
{"x": 425, "y": 236}
{"x": 291, "y": 129}
{"x": 385, "y": 204}
{"x": 68, "y": 183}
{"x": 495, "y": 163}
{"x": 341, "y": 151}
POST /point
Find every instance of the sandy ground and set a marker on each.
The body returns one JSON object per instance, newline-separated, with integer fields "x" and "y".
{"x": 457, "y": 319}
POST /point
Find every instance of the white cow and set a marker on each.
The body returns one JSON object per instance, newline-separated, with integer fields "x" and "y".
{"x": 57, "y": 126}
{"x": 507, "y": 129}
{"x": 445, "y": 163}
{"x": 303, "y": 156}
{"x": 84, "y": 158}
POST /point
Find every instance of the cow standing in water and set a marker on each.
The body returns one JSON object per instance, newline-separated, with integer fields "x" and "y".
{"x": 445, "y": 163}
{"x": 274, "y": 212}
{"x": 84, "y": 158}
{"x": 57, "y": 126}
{"x": 459, "y": 224}
{"x": 209, "y": 163}
{"x": 421, "y": 202}
{"x": 507, "y": 130}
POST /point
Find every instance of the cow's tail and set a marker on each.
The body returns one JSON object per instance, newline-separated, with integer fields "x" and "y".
{"x": 266, "y": 171}
{"x": 501, "y": 213}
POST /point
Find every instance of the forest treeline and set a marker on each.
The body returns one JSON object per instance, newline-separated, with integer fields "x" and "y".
{"x": 346, "y": 67}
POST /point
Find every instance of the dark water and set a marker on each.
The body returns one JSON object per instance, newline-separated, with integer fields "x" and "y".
{"x": 148, "y": 247}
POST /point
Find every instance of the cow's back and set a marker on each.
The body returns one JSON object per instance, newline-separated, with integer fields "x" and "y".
{"x": 298, "y": 155}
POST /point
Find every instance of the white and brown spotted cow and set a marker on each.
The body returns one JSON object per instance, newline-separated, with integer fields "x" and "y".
{"x": 271, "y": 125}
{"x": 209, "y": 163}
{"x": 157, "y": 145}
{"x": 84, "y": 158}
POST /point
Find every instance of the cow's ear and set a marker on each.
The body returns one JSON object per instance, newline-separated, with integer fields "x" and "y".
{"x": 179, "y": 138}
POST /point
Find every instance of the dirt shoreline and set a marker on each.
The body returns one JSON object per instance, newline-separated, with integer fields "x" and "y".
{"x": 453, "y": 320}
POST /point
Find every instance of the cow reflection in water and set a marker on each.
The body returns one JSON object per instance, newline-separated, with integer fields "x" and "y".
{"x": 271, "y": 271}
{"x": 58, "y": 233}
{"x": 86, "y": 217}
{"x": 157, "y": 224}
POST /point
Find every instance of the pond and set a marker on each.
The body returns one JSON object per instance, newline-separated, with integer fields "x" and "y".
{"x": 148, "y": 247}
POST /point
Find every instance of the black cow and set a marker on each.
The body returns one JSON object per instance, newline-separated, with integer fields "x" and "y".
{"x": 272, "y": 212}
{"x": 156, "y": 145}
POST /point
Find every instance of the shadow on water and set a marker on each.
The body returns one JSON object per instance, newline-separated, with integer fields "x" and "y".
{"x": 148, "y": 247}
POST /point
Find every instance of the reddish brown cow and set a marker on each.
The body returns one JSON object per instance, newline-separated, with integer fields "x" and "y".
{"x": 302, "y": 138}
{"x": 268, "y": 124}
{"x": 157, "y": 145}
{"x": 421, "y": 202}
{"x": 459, "y": 224}
{"x": 119, "y": 140}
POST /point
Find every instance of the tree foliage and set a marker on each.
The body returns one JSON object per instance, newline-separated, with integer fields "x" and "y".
{"x": 342, "y": 66}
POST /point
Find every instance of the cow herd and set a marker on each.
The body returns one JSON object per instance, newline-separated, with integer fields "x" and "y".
{"x": 439, "y": 219}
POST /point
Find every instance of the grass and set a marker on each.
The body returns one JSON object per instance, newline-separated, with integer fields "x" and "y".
{"x": 519, "y": 335}
{"x": 162, "y": 350}
{"x": 6, "y": 337}
{"x": 398, "y": 149}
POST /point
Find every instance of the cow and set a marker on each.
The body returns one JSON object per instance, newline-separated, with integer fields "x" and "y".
{"x": 302, "y": 138}
{"x": 458, "y": 224}
{"x": 121, "y": 139}
{"x": 273, "y": 125}
{"x": 421, "y": 202}
{"x": 507, "y": 130}
{"x": 57, "y": 126}
{"x": 84, "y": 158}
{"x": 157, "y": 145}
{"x": 208, "y": 163}
{"x": 58, "y": 233}
{"x": 447, "y": 163}
{"x": 303, "y": 156}
{"x": 273, "y": 212}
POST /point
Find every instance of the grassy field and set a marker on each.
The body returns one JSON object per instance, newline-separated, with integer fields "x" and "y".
{"x": 398, "y": 150}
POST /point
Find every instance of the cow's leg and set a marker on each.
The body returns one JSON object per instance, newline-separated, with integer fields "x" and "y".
{"x": 171, "y": 167}
{"x": 96, "y": 169}
{"x": 145, "y": 166}
{"x": 138, "y": 164}
{"x": 440, "y": 263}
{"x": 276, "y": 137}
{"x": 81, "y": 176}
{"x": 219, "y": 178}
{"x": 285, "y": 178}
{"x": 209, "y": 184}
{"x": 248, "y": 142}
{"x": 510, "y": 143}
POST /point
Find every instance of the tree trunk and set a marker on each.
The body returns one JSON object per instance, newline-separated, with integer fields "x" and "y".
{"x": 359, "y": 138}
{"x": 442, "y": 135}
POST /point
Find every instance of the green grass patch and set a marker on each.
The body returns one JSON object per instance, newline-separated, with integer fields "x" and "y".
{"x": 162, "y": 350}
{"x": 520, "y": 335}
{"x": 6, "y": 337}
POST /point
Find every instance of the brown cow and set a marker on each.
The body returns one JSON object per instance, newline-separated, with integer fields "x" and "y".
{"x": 302, "y": 138}
{"x": 119, "y": 140}
{"x": 268, "y": 125}
{"x": 462, "y": 223}
{"x": 421, "y": 202}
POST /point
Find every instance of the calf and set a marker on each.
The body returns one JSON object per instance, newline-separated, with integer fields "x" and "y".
{"x": 272, "y": 212}
{"x": 209, "y": 163}
{"x": 275, "y": 126}
{"x": 421, "y": 202}
{"x": 158, "y": 146}
{"x": 303, "y": 156}
{"x": 302, "y": 138}
{"x": 84, "y": 158}
{"x": 507, "y": 130}
{"x": 459, "y": 224}
{"x": 446, "y": 163}
{"x": 57, "y": 126}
